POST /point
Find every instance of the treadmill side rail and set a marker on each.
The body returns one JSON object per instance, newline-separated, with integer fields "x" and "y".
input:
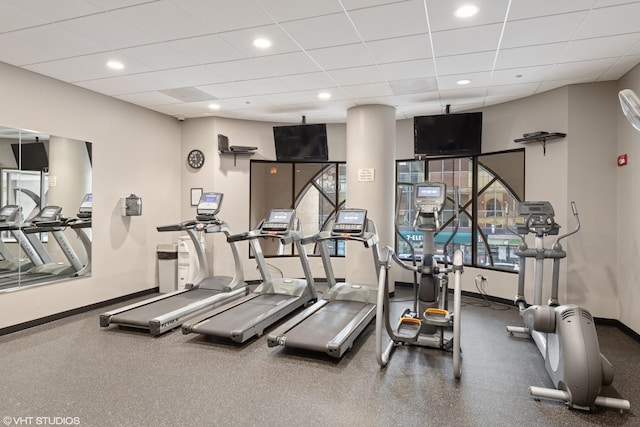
{"x": 105, "y": 318}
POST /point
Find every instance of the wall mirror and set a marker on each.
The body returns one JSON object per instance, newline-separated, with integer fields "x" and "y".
{"x": 45, "y": 208}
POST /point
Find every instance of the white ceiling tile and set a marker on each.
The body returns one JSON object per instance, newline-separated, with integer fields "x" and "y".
{"x": 116, "y": 4}
{"x": 547, "y": 29}
{"x": 331, "y": 58}
{"x": 206, "y": 49}
{"x": 517, "y": 90}
{"x": 466, "y": 40}
{"x": 322, "y": 31}
{"x": 57, "y": 10}
{"x": 105, "y": 30}
{"x": 158, "y": 56}
{"x": 191, "y": 76}
{"x": 301, "y": 82}
{"x": 478, "y": 80}
{"x": 400, "y": 48}
{"x": 241, "y": 69}
{"x": 529, "y": 55}
{"x": 356, "y": 75}
{"x": 55, "y": 42}
{"x": 580, "y": 70}
{"x": 407, "y": 70}
{"x": 245, "y": 88}
{"x": 527, "y": 75}
{"x": 367, "y": 90}
{"x": 169, "y": 22}
{"x": 532, "y": 9}
{"x": 148, "y": 98}
{"x": 390, "y": 20}
{"x": 441, "y": 15}
{"x": 610, "y": 21}
{"x": 287, "y": 63}
{"x": 620, "y": 68}
{"x": 468, "y": 63}
{"x": 596, "y": 48}
{"x": 87, "y": 67}
{"x": 12, "y": 17}
{"x": 224, "y": 15}
{"x": 120, "y": 85}
{"x": 363, "y": 4}
{"x": 19, "y": 52}
{"x": 242, "y": 40}
{"x": 288, "y": 10}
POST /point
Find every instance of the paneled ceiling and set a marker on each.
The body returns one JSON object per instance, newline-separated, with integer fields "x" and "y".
{"x": 185, "y": 57}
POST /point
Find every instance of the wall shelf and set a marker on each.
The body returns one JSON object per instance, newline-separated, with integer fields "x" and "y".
{"x": 235, "y": 153}
{"x": 541, "y": 137}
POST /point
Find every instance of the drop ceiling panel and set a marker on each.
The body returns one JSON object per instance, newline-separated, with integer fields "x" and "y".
{"x": 367, "y": 90}
{"x": 191, "y": 76}
{"x": 612, "y": 20}
{"x": 533, "y": 9}
{"x": 105, "y": 30}
{"x": 441, "y": 15}
{"x": 206, "y": 49}
{"x": 407, "y": 69}
{"x": 13, "y": 17}
{"x": 288, "y": 10}
{"x": 224, "y": 15}
{"x": 287, "y": 64}
{"x": 529, "y": 55}
{"x": 390, "y": 20}
{"x": 517, "y": 76}
{"x": 322, "y": 31}
{"x": 161, "y": 20}
{"x": 245, "y": 88}
{"x": 123, "y": 85}
{"x": 400, "y": 48}
{"x": 471, "y": 62}
{"x": 242, "y": 69}
{"x": 303, "y": 82}
{"x": 53, "y": 42}
{"x": 596, "y": 48}
{"x": 332, "y": 58}
{"x": 57, "y": 10}
{"x": 356, "y": 75}
{"x": 589, "y": 70}
{"x": 538, "y": 31}
{"x": 466, "y": 40}
{"x": 158, "y": 56}
{"x": 620, "y": 68}
{"x": 447, "y": 83}
{"x": 242, "y": 40}
{"x": 148, "y": 99}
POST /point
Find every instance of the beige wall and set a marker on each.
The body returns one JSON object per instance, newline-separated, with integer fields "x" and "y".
{"x": 134, "y": 150}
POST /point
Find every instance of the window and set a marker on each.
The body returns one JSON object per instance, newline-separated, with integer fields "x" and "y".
{"x": 485, "y": 184}
{"x": 315, "y": 190}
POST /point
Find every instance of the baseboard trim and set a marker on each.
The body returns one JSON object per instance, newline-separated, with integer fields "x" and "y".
{"x": 41, "y": 321}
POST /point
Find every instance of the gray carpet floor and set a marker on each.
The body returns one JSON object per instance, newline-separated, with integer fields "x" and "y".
{"x": 72, "y": 372}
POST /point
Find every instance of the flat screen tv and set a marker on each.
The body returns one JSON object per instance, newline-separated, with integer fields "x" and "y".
{"x": 301, "y": 143}
{"x": 31, "y": 156}
{"x": 448, "y": 134}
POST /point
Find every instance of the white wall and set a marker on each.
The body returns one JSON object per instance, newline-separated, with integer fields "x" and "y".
{"x": 134, "y": 150}
{"x": 626, "y": 220}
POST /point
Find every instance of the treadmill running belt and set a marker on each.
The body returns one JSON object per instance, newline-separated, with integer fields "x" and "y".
{"x": 223, "y": 324}
{"x": 142, "y": 315}
{"x": 322, "y": 326}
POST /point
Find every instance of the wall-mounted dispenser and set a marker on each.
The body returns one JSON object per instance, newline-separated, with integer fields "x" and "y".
{"x": 131, "y": 205}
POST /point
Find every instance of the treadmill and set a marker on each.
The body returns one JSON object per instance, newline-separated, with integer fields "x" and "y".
{"x": 332, "y": 324}
{"x": 168, "y": 311}
{"x": 9, "y": 265}
{"x": 82, "y": 226}
{"x": 273, "y": 299}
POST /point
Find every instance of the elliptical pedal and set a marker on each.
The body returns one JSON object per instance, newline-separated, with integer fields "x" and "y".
{"x": 409, "y": 328}
{"x": 437, "y": 317}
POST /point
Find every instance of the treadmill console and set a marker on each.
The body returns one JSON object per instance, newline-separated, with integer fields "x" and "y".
{"x": 209, "y": 205}
{"x": 430, "y": 197}
{"x": 350, "y": 221}
{"x": 9, "y": 213}
{"x": 85, "y": 206}
{"x": 278, "y": 221}
{"x": 48, "y": 213}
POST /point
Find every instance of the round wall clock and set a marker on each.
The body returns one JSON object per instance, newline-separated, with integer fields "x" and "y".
{"x": 195, "y": 159}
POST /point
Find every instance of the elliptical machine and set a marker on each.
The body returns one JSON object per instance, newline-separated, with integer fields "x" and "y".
{"x": 565, "y": 334}
{"x": 424, "y": 323}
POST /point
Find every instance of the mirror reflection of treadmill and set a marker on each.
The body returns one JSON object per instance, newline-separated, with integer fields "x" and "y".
{"x": 48, "y": 220}
{"x": 168, "y": 311}
{"x": 332, "y": 324}
{"x": 10, "y": 265}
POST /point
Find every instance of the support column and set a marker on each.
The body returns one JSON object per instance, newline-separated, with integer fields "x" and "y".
{"x": 371, "y": 142}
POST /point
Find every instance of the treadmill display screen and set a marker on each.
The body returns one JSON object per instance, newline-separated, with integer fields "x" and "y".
{"x": 209, "y": 203}
{"x": 48, "y": 212}
{"x": 7, "y": 211}
{"x": 278, "y": 220}
{"x": 428, "y": 191}
{"x": 350, "y": 221}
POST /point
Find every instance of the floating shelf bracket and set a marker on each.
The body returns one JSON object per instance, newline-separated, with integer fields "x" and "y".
{"x": 540, "y": 137}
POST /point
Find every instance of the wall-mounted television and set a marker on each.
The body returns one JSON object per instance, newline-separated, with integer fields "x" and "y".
{"x": 448, "y": 134}
{"x": 301, "y": 143}
{"x": 31, "y": 156}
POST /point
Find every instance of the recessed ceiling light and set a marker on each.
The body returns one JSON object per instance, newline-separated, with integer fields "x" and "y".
{"x": 324, "y": 95}
{"x": 466, "y": 11}
{"x": 116, "y": 65}
{"x": 463, "y": 82}
{"x": 214, "y": 106}
{"x": 518, "y": 76}
{"x": 261, "y": 43}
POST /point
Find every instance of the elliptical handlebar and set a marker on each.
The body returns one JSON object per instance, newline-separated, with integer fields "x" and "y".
{"x": 574, "y": 209}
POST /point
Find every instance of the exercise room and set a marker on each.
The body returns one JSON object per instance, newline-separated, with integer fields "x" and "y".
{"x": 342, "y": 212}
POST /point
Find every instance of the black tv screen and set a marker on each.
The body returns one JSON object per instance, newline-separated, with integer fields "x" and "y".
{"x": 31, "y": 156}
{"x": 301, "y": 143}
{"x": 448, "y": 134}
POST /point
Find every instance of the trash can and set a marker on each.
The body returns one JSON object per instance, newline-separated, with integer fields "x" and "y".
{"x": 167, "y": 267}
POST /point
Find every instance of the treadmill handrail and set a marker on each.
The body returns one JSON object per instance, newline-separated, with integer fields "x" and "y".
{"x": 184, "y": 225}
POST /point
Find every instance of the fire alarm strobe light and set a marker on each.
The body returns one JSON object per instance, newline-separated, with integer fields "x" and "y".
{"x": 622, "y": 160}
